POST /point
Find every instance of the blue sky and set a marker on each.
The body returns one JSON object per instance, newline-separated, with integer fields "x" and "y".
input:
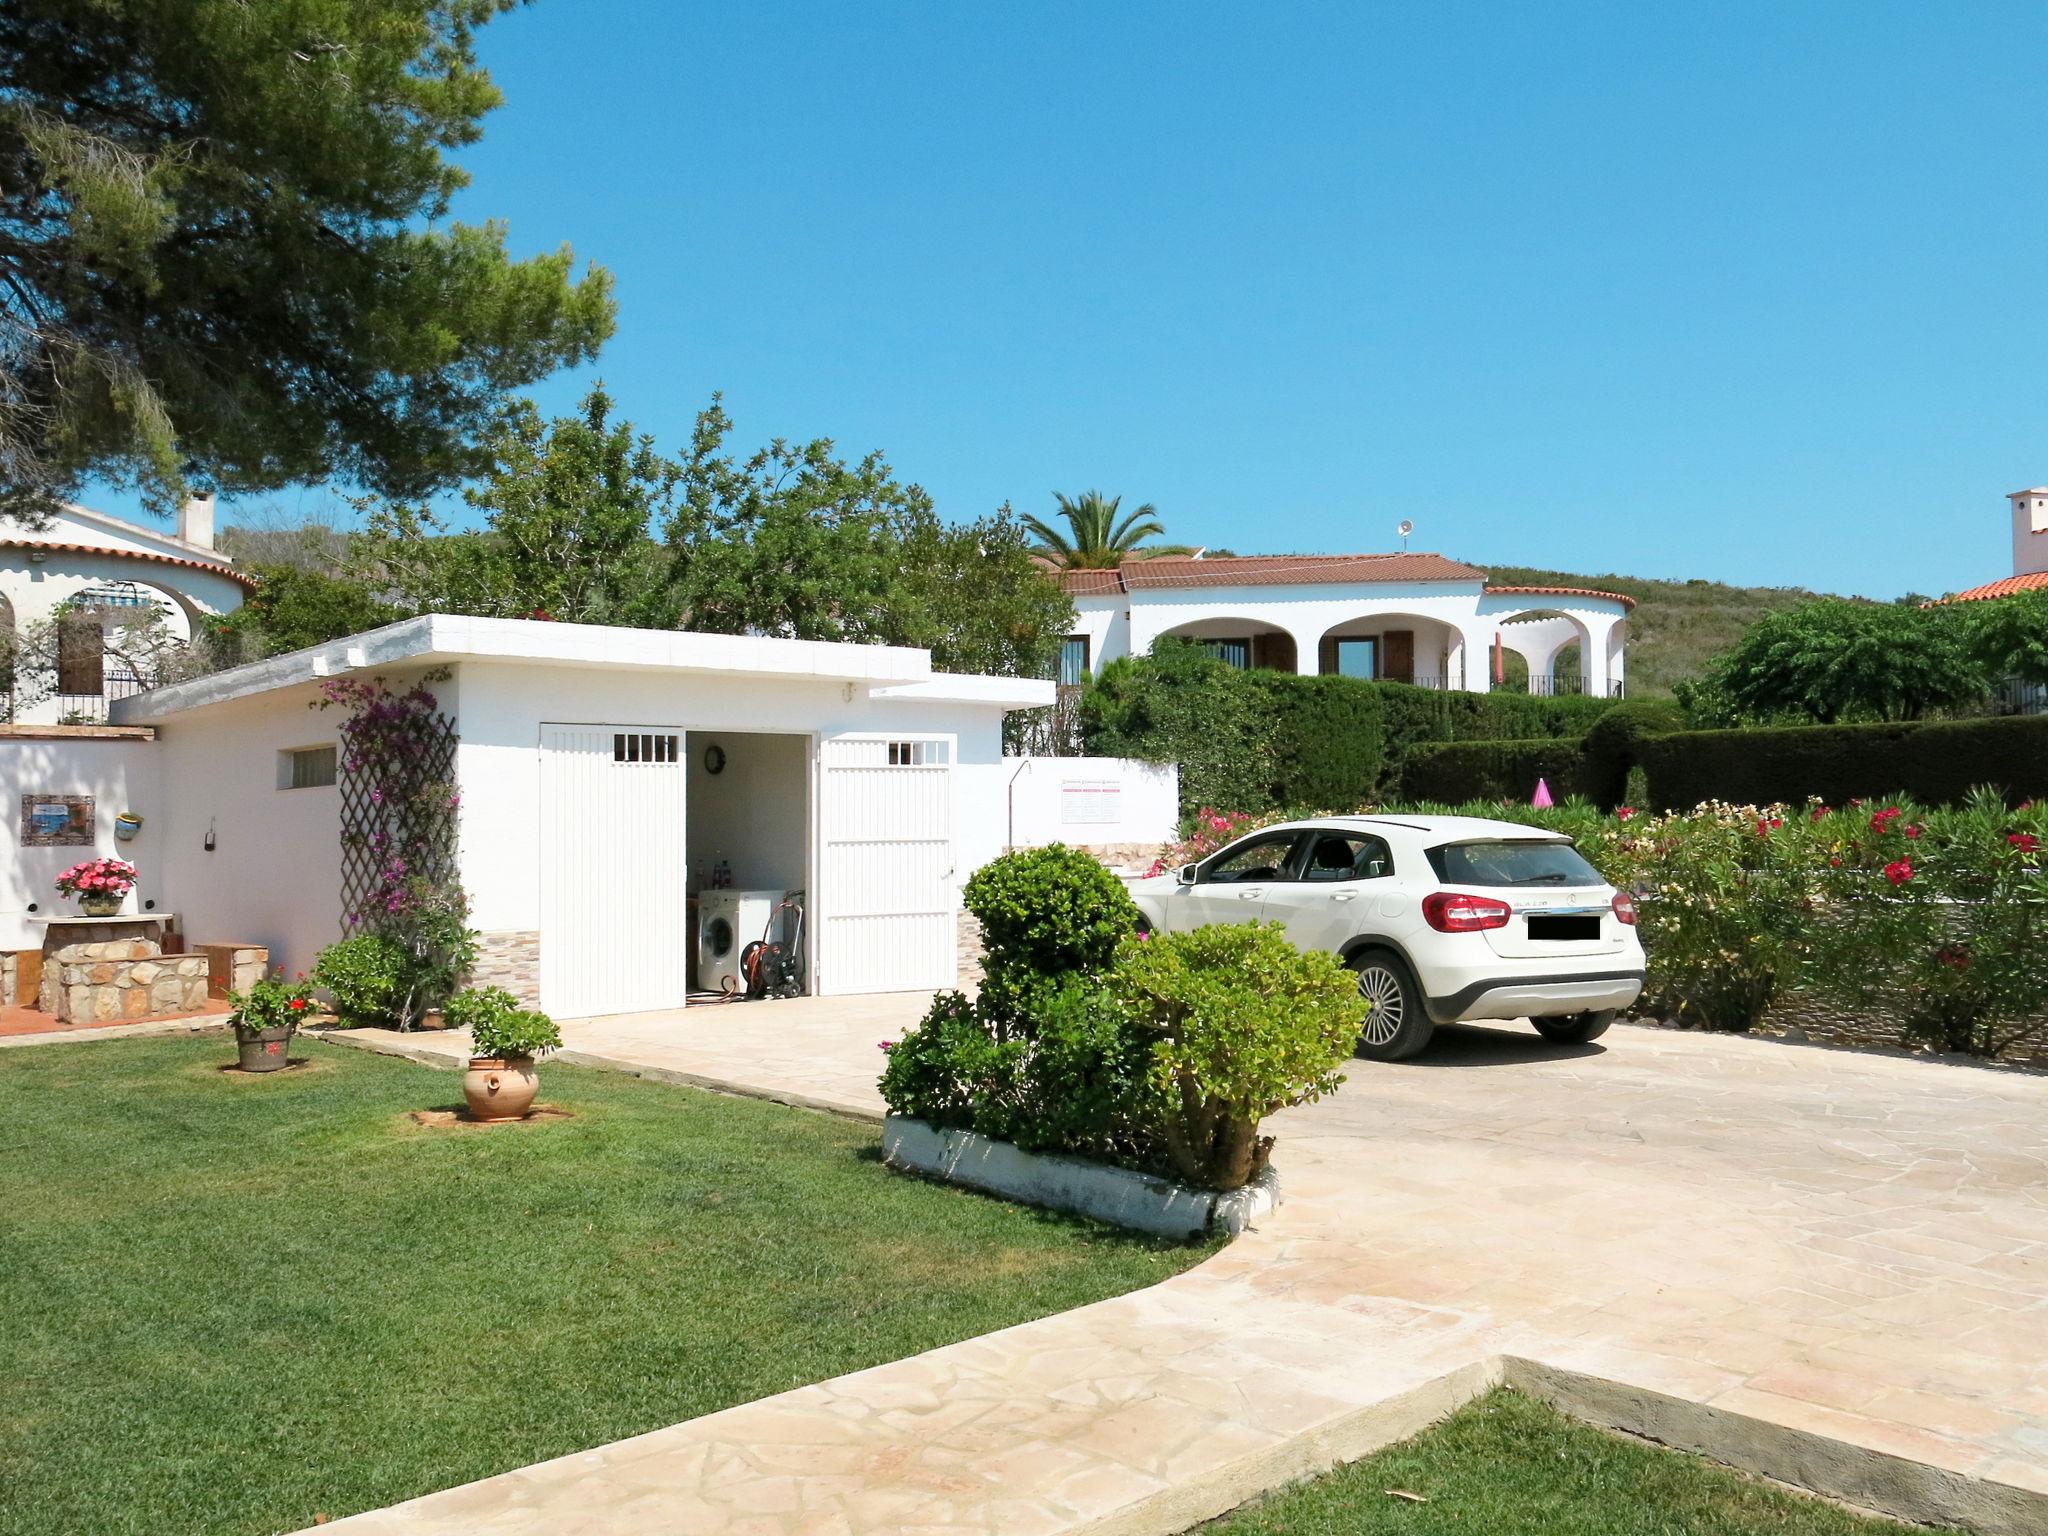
{"x": 1751, "y": 292}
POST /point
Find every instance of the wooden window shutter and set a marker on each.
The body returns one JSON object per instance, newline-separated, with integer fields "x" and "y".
{"x": 81, "y": 655}
{"x": 1397, "y": 656}
{"x": 1326, "y": 655}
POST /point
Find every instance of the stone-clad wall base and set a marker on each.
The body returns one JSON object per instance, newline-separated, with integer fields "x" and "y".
{"x": 509, "y": 958}
{"x": 967, "y": 951}
{"x": 118, "y": 981}
{"x": 10, "y": 978}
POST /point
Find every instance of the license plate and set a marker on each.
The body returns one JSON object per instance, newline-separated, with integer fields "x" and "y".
{"x": 1564, "y": 930}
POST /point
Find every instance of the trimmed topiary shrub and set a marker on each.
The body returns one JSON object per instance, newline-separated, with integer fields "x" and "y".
{"x": 1054, "y": 911}
{"x": 1937, "y": 762}
{"x": 1613, "y": 747}
{"x": 1454, "y": 771}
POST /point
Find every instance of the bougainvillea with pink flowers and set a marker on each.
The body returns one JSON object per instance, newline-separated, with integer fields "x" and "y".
{"x": 400, "y": 817}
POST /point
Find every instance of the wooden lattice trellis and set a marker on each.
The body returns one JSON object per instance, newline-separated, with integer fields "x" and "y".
{"x": 403, "y": 807}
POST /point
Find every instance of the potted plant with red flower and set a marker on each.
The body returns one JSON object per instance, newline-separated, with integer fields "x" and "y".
{"x": 265, "y": 1019}
{"x": 100, "y": 885}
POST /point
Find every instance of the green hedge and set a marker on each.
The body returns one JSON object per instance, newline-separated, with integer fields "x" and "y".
{"x": 1452, "y": 772}
{"x": 1938, "y": 762}
{"x": 1258, "y": 741}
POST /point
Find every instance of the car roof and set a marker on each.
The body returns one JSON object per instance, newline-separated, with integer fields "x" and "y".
{"x": 1448, "y": 829}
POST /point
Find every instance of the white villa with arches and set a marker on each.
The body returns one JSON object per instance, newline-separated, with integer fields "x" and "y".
{"x": 97, "y": 569}
{"x": 1412, "y": 618}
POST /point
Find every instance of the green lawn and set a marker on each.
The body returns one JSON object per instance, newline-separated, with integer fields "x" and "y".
{"x": 1507, "y": 1465}
{"x": 232, "y": 1303}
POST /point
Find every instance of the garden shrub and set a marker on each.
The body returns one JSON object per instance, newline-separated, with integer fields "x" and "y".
{"x": 500, "y": 1026}
{"x": 1417, "y": 718}
{"x": 1241, "y": 1024}
{"x": 1492, "y": 770}
{"x": 951, "y": 1070}
{"x": 1936, "y": 762}
{"x": 364, "y": 977}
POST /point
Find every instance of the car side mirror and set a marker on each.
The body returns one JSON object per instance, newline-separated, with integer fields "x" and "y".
{"x": 1185, "y": 875}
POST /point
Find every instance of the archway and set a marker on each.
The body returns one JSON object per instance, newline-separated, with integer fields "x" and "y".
{"x": 1394, "y": 647}
{"x": 1249, "y": 643}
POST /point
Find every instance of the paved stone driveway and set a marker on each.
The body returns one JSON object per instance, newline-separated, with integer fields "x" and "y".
{"x": 1850, "y": 1246}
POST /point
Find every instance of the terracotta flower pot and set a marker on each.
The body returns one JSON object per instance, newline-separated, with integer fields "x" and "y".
{"x": 500, "y": 1090}
{"x": 264, "y": 1050}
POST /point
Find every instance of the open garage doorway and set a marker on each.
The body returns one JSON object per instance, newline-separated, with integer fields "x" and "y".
{"x": 749, "y": 834}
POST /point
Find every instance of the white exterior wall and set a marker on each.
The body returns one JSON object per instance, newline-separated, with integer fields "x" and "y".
{"x": 1106, "y": 623}
{"x": 120, "y": 775}
{"x": 274, "y": 875}
{"x": 1056, "y": 800}
{"x": 503, "y": 706}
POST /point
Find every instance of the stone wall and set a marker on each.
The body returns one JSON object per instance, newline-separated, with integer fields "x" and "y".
{"x": 10, "y": 978}
{"x": 967, "y": 951}
{"x": 510, "y": 959}
{"x": 116, "y": 981}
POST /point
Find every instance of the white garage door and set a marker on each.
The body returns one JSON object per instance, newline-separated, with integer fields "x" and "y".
{"x": 614, "y": 927}
{"x": 886, "y": 864}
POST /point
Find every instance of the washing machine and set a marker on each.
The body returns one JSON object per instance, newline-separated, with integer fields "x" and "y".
{"x": 727, "y": 922}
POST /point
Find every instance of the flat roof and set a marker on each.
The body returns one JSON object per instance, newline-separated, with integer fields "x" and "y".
{"x": 439, "y": 639}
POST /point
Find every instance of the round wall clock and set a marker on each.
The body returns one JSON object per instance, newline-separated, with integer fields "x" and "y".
{"x": 714, "y": 758}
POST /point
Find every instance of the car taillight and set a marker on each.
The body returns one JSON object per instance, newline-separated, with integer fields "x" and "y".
{"x": 1625, "y": 908}
{"x": 1456, "y": 912}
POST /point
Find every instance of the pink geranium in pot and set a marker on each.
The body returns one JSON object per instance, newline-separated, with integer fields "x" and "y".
{"x": 100, "y": 885}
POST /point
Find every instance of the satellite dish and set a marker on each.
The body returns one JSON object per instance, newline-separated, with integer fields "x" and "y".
{"x": 1407, "y": 527}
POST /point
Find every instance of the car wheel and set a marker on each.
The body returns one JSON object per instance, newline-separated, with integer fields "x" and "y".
{"x": 1395, "y": 1027}
{"x": 1575, "y": 1028}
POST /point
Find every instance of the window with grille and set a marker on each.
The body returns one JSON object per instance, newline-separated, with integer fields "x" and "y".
{"x": 306, "y": 768}
{"x": 1074, "y": 660}
{"x": 645, "y": 747}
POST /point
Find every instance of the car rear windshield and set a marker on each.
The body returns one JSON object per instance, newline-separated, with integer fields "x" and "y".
{"x": 1512, "y": 863}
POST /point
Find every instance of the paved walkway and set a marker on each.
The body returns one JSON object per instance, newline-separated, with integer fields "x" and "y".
{"x": 1846, "y": 1256}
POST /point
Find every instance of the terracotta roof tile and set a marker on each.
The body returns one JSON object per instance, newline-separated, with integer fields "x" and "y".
{"x": 247, "y": 583}
{"x": 1619, "y": 597}
{"x": 2005, "y": 587}
{"x": 1181, "y": 571}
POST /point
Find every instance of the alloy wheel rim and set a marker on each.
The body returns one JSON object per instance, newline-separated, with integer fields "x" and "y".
{"x": 1382, "y": 989}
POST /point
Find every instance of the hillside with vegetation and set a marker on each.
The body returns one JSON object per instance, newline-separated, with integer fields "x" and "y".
{"x": 1676, "y": 625}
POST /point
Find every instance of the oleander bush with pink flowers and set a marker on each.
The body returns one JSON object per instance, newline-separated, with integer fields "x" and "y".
{"x": 1930, "y": 920}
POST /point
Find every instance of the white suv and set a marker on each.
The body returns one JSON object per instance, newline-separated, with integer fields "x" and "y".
{"x": 1444, "y": 918}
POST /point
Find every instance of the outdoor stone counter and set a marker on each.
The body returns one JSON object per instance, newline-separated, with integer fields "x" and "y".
{"x": 114, "y": 971}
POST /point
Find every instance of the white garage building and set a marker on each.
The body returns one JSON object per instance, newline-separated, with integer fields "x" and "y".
{"x": 609, "y": 778}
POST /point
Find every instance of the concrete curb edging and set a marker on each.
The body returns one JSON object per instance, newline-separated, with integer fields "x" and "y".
{"x": 1142, "y": 1202}
{"x": 1875, "y": 1480}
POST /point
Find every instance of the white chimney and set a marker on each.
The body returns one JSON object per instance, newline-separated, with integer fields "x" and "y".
{"x": 195, "y": 520}
{"x": 2029, "y": 530}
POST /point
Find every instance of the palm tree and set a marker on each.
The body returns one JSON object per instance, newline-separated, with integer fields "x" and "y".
{"x": 1095, "y": 539}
